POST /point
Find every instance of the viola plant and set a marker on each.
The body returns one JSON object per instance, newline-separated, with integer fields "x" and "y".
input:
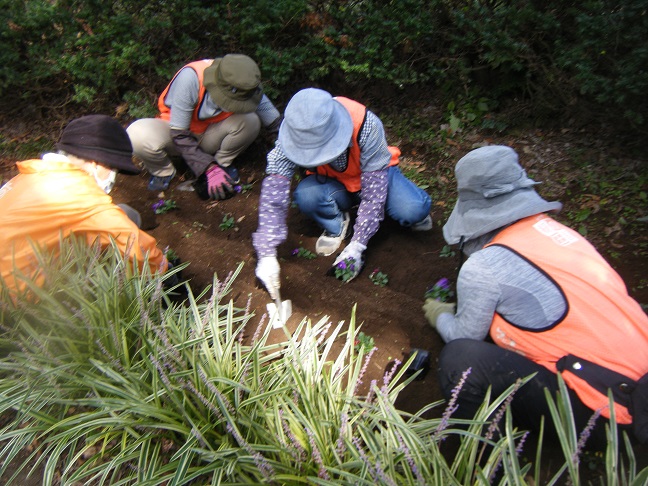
{"x": 447, "y": 252}
{"x": 378, "y": 278}
{"x": 304, "y": 253}
{"x": 363, "y": 342}
{"x": 172, "y": 256}
{"x": 164, "y": 206}
{"x": 227, "y": 223}
{"x": 440, "y": 291}
{"x": 345, "y": 270}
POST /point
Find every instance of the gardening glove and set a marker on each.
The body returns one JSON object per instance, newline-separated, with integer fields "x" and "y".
{"x": 434, "y": 308}
{"x": 267, "y": 271}
{"x": 352, "y": 257}
{"x": 219, "y": 184}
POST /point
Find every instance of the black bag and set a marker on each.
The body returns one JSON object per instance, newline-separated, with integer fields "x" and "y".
{"x": 639, "y": 409}
{"x": 626, "y": 392}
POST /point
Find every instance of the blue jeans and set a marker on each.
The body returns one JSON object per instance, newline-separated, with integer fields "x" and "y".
{"x": 324, "y": 200}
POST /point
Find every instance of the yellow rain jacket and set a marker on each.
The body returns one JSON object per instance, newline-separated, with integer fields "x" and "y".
{"x": 50, "y": 199}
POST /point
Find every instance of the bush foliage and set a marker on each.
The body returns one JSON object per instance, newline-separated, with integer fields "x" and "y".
{"x": 584, "y": 59}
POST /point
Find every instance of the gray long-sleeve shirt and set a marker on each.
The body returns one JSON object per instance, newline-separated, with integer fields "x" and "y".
{"x": 495, "y": 279}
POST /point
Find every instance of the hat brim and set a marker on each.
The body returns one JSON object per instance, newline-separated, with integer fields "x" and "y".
{"x": 115, "y": 159}
{"x": 221, "y": 96}
{"x": 472, "y": 218}
{"x": 309, "y": 157}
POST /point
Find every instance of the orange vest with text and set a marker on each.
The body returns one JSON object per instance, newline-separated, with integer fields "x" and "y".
{"x": 603, "y": 324}
{"x": 197, "y": 125}
{"x": 351, "y": 176}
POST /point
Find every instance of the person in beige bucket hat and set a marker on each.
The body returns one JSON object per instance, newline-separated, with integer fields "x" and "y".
{"x": 211, "y": 111}
{"x": 535, "y": 297}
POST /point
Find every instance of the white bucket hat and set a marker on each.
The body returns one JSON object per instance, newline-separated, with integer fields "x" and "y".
{"x": 494, "y": 191}
{"x": 316, "y": 128}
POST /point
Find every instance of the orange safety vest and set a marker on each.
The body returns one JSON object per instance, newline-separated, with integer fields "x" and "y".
{"x": 351, "y": 176}
{"x": 602, "y": 325}
{"x": 51, "y": 199}
{"x": 197, "y": 125}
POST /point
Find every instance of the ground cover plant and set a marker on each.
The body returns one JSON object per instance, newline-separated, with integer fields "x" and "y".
{"x": 110, "y": 377}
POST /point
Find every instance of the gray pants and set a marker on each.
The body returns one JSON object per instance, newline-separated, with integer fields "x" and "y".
{"x": 132, "y": 213}
{"x": 152, "y": 143}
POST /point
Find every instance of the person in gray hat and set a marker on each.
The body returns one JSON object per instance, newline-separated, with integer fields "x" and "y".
{"x": 211, "y": 111}
{"x": 348, "y": 163}
{"x": 66, "y": 193}
{"x": 535, "y": 297}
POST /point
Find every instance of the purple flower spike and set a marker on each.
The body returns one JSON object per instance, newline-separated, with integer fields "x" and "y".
{"x": 238, "y": 188}
{"x": 295, "y": 251}
{"x": 443, "y": 283}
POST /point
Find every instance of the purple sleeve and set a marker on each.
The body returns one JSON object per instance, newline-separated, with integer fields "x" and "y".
{"x": 273, "y": 211}
{"x": 372, "y": 205}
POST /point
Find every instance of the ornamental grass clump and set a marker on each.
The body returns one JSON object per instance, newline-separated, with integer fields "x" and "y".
{"x": 107, "y": 379}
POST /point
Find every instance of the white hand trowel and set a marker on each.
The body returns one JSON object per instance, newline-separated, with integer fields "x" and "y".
{"x": 279, "y": 311}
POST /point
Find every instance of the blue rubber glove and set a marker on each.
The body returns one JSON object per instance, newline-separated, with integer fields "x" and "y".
{"x": 219, "y": 184}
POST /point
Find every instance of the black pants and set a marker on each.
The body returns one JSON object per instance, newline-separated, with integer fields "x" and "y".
{"x": 499, "y": 368}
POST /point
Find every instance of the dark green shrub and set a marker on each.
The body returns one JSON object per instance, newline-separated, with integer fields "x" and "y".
{"x": 547, "y": 59}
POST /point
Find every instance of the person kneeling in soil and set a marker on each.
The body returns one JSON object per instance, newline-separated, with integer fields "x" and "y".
{"x": 211, "y": 111}
{"x": 66, "y": 193}
{"x": 549, "y": 301}
{"x": 343, "y": 147}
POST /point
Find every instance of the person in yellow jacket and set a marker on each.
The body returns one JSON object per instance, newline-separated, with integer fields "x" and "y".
{"x": 534, "y": 296}
{"x": 66, "y": 193}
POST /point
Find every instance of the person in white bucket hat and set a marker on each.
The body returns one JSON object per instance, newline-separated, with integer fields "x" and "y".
{"x": 343, "y": 147}
{"x": 535, "y": 297}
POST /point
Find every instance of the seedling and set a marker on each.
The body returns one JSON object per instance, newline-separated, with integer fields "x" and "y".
{"x": 378, "y": 278}
{"x": 164, "y": 206}
{"x": 345, "y": 270}
{"x": 363, "y": 342}
{"x": 228, "y": 222}
{"x": 440, "y": 291}
{"x": 304, "y": 253}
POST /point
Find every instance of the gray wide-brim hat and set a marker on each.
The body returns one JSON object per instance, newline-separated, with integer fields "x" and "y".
{"x": 100, "y": 138}
{"x": 234, "y": 82}
{"x": 494, "y": 191}
{"x": 316, "y": 128}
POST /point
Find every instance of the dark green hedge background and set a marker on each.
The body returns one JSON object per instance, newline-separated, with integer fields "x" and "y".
{"x": 546, "y": 60}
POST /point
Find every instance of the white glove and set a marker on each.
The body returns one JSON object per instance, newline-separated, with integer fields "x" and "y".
{"x": 267, "y": 271}
{"x": 353, "y": 254}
